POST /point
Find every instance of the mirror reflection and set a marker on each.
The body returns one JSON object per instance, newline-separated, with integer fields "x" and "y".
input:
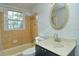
{"x": 59, "y": 15}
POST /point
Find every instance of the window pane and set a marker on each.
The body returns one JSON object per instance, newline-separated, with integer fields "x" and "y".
{"x": 10, "y": 26}
{"x": 15, "y": 20}
{"x": 10, "y": 15}
{"x": 15, "y": 15}
{"x": 18, "y": 24}
{"x": 15, "y": 24}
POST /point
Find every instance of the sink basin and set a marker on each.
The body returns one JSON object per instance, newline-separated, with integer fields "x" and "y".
{"x": 58, "y": 45}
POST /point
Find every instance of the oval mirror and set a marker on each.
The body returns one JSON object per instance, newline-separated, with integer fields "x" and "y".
{"x": 59, "y": 15}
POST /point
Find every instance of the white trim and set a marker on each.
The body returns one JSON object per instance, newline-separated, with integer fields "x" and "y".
{"x": 6, "y": 19}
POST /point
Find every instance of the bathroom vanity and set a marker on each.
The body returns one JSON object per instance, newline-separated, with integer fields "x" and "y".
{"x": 49, "y": 47}
{"x": 55, "y": 46}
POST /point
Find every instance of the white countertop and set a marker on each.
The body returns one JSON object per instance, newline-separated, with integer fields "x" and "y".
{"x": 62, "y": 48}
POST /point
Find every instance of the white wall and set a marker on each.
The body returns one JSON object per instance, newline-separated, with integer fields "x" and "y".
{"x": 70, "y": 31}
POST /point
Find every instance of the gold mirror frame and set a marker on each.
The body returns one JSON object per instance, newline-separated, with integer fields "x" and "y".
{"x": 66, "y": 16}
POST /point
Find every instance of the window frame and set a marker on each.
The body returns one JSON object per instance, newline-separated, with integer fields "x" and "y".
{"x": 6, "y": 20}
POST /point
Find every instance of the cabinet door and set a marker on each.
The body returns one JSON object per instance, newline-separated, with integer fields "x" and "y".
{"x": 40, "y": 51}
{"x": 49, "y": 53}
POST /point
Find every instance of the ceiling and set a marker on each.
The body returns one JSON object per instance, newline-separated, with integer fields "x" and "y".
{"x": 22, "y": 5}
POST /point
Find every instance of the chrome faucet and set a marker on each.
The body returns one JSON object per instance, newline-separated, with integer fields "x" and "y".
{"x": 56, "y": 37}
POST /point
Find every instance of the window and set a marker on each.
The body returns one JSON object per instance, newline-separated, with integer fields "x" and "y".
{"x": 15, "y": 20}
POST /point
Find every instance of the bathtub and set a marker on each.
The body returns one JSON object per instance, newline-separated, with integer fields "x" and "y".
{"x": 15, "y": 51}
